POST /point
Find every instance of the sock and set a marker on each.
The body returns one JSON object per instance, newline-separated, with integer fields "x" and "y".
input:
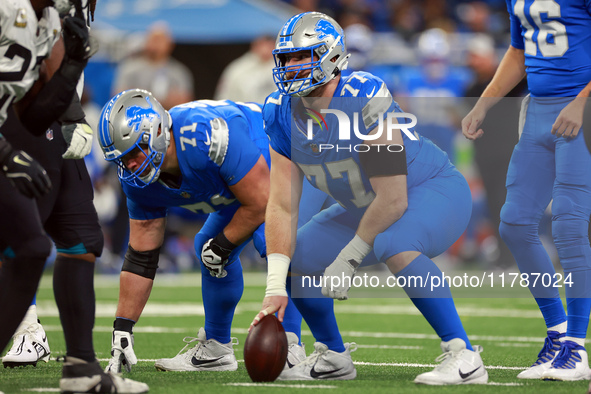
{"x": 292, "y": 320}
{"x": 559, "y": 328}
{"x": 318, "y": 312}
{"x": 553, "y": 312}
{"x": 578, "y": 341}
{"x": 439, "y": 309}
{"x": 73, "y": 288}
{"x": 123, "y": 324}
{"x": 220, "y": 297}
{"x": 532, "y": 259}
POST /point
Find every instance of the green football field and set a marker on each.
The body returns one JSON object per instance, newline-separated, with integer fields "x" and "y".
{"x": 394, "y": 342}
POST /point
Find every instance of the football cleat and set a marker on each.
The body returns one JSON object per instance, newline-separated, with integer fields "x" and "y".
{"x": 205, "y": 355}
{"x": 571, "y": 364}
{"x": 79, "y": 376}
{"x": 545, "y": 357}
{"x": 29, "y": 346}
{"x": 323, "y": 364}
{"x": 296, "y": 353}
{"x": 122, "y": 353}
{"x": 458, "y": 365}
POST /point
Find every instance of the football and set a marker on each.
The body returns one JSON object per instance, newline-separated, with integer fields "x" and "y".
{"x": 265, "y": 350}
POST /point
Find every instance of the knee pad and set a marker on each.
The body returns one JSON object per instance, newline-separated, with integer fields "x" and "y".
{"x": 143, "y": 264}
{"x": 518, "y": 214}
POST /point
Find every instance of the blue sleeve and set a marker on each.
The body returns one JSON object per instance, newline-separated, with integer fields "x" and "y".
{"x": 588, "y": 6}
{"x": 273, "y": 127}
{"x": 516, "y": 37}
{"x": 242, "y": 152}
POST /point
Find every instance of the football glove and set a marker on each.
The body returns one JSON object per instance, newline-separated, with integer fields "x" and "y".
{"x": 77, "y": 43}
{"x": 78, "y": 136}
{"x": 122, "y": 352}
{"x": 23, "y": 171}
{"x": 339, "y": 275}
{"x": 215, "y": 253}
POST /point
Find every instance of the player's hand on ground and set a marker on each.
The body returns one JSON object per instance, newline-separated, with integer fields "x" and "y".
{"x": 472, "y": 122}
{"x": 25, "y": 174}
{"x": 569, "y": 121}
{"x": 78, "y": 136}
{"x": 338, "y": 277}
{"x": 215, "y": 257}
{"x": 122, "y": 354}
{"x": 271, "y": 304}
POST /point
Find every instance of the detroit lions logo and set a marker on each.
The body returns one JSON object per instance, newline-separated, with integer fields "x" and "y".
{"x": 325, "y": 29}
{"x": 136, "y": 114}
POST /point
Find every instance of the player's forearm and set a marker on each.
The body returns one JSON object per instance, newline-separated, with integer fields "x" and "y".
{"x": 280, "y": 233}
{"x": 510, "y": 72}
{"x": 381, "y": 214}
{"x": 244, "y": 223}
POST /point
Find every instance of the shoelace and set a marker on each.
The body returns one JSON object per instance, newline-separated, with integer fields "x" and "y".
{"x": 188, "y": 347}
{"x": 566, "y": 358}
{"x": 551, "y": 347}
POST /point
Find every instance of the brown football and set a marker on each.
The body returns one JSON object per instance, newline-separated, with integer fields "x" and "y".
{"x": 265, "y": 350}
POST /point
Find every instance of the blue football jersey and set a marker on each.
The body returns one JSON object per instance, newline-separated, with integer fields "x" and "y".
{"x": 337, "y": 172}
{"x": 211, "y": 155}
{"x": 556, "y": 38}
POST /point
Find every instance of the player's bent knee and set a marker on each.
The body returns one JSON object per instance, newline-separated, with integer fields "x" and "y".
{"x": 143, "y": 264}
{"x": 36, "y": 248}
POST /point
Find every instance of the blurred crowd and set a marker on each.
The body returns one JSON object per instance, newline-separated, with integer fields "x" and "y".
{"x": 430, "y": 53}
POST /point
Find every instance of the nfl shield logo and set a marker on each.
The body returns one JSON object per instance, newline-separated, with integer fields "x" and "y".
{"x": 49, "y": 134}
{"x": 185, "y": 195}
{"x": 314, "y": 148}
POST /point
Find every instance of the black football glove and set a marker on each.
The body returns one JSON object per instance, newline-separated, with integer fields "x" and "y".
{"x": 76, "y": 39}
{"x": 23, "y": 171}
{"x": 215, "y": 254}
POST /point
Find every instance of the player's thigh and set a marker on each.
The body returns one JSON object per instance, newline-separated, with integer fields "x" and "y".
{"x": 572, "y": 188}
{"x": 73, "y": 222}
{"x": 321, "y": 239}
{"x": 438, "y": 212}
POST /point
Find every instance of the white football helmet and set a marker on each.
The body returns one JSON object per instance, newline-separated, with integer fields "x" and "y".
{"x": 324, "y": 38}
{"x": 135, "y": 119}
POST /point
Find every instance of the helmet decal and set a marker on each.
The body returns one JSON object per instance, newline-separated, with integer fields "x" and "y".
{"x": 136, "y": 114}
{"x": 326, "y": 29}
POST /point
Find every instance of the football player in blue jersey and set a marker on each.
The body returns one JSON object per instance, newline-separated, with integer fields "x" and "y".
{"x": 551, "y": 43}
{"x": 206, "y": 156}
{"x": 391, "y": 206}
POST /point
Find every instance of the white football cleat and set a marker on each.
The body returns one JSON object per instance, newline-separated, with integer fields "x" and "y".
{"x": 458, "y": 366}
{"x": 296, "y": 353}
{"x": 545, "y": 357}
{"x": 122, "y": 353}
{"x": 323, "y": 364}
{"x": 570, "y": 364}
{"x": 79, "y": 376}
{"x": 205, "y": 355}
{"x": 28, "y": 347}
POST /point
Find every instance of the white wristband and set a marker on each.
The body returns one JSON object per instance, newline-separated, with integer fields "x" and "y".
{"x": 278, "y": 265}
